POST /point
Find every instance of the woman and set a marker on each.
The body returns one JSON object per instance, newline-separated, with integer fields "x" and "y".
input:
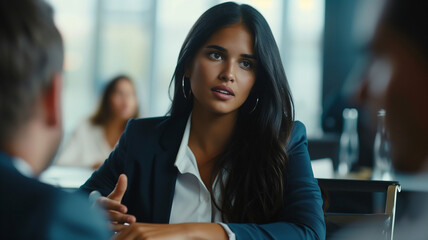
{"x": 96, "y": 137}
{"x": 228, "y": 153}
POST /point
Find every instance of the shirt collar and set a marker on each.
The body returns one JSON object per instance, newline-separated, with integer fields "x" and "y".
{"x": 183, "y": 162}
{"x": 23, "y": 167}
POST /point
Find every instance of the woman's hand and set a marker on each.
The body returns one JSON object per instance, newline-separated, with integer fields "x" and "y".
{"x": 115, "y": 210}
{"x": 145, "y": 231}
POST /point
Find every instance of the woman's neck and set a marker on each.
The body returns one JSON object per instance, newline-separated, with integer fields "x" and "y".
{"x": 209, "y": 134}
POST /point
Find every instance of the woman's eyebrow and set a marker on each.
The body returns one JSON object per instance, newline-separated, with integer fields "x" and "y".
{"x": 222, "y": 49}
{"x": 249, "y": 56}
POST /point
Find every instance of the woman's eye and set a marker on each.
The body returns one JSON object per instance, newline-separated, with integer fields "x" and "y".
{"x": 215, "y": 55}
{"x": 247, "y": 64}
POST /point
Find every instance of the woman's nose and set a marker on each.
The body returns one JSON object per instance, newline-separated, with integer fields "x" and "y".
{"x": 228, "y": 73}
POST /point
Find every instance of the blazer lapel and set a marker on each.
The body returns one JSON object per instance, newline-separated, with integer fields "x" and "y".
{"x": 165, "y": 173}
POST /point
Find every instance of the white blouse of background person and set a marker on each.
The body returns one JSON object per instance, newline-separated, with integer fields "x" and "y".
{"x": 86, "y": 147}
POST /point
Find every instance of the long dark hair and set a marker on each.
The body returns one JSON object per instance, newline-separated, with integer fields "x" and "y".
{"x": 104, "y": 113}
{"x": 250, "y": 169}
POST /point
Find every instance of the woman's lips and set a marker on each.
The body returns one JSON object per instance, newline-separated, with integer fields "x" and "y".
{"x": 223, "y": 92}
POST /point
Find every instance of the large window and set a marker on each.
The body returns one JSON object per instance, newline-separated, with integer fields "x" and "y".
{"x": 76, "y": 21}
{"x": 103, "y": 38}
{"x": 301, "y": 49}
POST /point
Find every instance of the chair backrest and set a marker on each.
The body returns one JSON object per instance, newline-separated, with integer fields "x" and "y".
{"x": 325, "y": 147}
{"x": 339, "y": 191}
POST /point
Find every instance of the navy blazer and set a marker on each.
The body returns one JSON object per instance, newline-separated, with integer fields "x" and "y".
{"x": 30, "y": 209}
{"x": 147, "y": 151}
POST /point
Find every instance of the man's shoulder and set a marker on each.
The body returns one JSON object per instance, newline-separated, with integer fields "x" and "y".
{"x": 35, "y": 210}
{"x": 22, "y": 186}
{"x": 74, "y": 217}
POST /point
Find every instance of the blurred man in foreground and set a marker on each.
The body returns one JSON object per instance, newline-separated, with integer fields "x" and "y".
{"x": 31, "y": 57}
{"x": 397, "y": 80}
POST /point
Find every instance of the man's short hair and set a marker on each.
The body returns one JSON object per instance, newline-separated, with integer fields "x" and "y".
{"x": 31, "y": 51}
{"x": 410, "y": 19}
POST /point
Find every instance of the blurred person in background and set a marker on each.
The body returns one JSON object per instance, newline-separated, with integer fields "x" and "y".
{"x": 31, "y": 58}
{"x": 95, "y": 138}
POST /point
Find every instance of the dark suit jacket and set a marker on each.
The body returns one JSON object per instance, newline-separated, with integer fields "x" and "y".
{"x": 147, "y": 151}
{"x": 30, "y": 209}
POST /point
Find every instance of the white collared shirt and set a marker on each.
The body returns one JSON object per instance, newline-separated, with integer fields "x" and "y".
{"x": 87, "y": 146}
{"x": 23, "y": 167}
{"x": 192, "y": 200}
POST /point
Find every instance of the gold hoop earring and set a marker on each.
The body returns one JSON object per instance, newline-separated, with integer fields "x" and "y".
{"x": 182, "y": 88}
{"x": 255, "y": 106}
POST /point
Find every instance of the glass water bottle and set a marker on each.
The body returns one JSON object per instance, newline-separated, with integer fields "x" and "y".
{"x": 349, "y": 146}
{"x": 381, "y": 151}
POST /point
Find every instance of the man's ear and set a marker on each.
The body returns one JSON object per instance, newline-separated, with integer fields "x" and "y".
{"x": 52, "y": 100}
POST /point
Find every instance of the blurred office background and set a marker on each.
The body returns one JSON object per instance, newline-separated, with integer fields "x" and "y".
{"x": 142, "y": 38}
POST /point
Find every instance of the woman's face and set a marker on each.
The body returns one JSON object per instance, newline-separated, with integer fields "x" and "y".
{"x": 123, "y": 100}
{"x": 223, "y": 71}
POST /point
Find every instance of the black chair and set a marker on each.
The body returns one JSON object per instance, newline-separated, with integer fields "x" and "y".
{"x": 341, "y": 212}
{"x": 326, "y": 146}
